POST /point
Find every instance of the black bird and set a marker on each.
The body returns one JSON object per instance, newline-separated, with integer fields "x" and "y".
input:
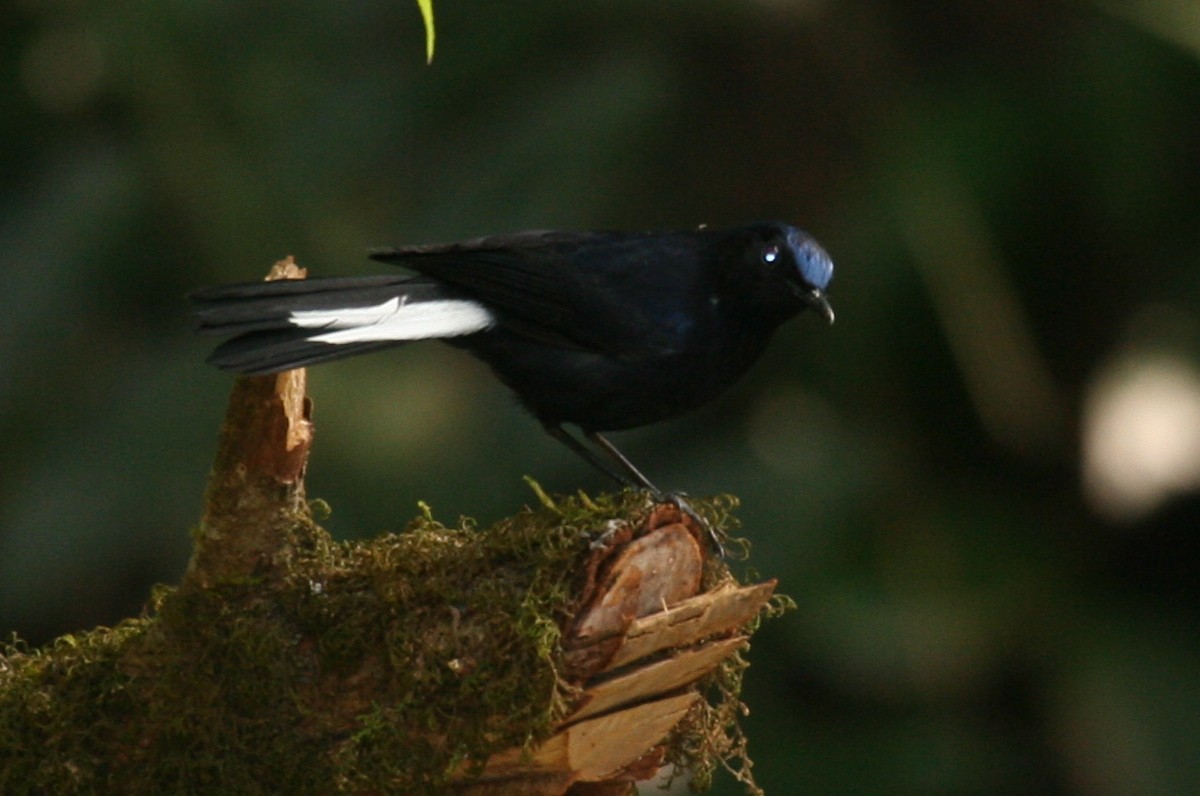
{"x": 602, "y": 330}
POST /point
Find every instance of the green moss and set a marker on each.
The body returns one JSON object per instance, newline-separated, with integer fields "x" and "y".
{"x": 378, "y": 666}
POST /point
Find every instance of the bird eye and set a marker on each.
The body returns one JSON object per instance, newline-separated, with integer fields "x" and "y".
{"x": 770, "y": 254}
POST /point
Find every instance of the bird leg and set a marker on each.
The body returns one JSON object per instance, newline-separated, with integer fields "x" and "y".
{"x": 627, "y": 475}
{"x": 634, "y": 475}
{"x": 589, "y": 456}
{"x": 677, "y": 499}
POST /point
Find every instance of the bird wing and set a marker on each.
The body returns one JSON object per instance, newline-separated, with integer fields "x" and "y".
{"x": 608, "y": 292}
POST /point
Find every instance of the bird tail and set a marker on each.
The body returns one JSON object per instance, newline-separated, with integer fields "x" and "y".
{"x": 291, "y": 323}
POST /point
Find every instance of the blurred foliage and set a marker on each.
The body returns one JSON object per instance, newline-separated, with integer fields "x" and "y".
{"x": 1011, "y": 192}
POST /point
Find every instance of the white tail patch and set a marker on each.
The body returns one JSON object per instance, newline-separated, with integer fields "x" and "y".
{"x": 395, "y": 319}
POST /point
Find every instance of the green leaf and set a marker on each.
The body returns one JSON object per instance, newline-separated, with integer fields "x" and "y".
{"x": 427, "y": 14}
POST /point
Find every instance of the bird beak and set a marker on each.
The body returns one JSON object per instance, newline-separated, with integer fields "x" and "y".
{"x": 820, "y": 302}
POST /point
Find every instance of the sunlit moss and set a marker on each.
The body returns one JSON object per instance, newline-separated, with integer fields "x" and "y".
{"x": 377, "y": 666}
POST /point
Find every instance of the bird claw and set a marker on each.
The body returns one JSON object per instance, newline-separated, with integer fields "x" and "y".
{"x": 605, "y": 539}
{"x": 679, "y": 501}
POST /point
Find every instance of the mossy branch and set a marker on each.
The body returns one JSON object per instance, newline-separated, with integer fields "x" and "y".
{"x": 571, "y": 648}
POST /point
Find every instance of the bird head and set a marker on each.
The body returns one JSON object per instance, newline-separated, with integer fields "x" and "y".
{"x": 816, "y": 271}
{"x": 793, "y": 259}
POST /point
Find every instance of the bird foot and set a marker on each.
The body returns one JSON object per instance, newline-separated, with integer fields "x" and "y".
{"x": 679, "y": 500}
{"x": 609, "y": 536}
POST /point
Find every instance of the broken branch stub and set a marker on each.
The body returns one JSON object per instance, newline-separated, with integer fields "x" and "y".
{"x": 255, "y": 491}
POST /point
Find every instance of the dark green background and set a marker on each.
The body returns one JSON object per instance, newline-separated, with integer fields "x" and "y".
{"x": 1010, "y": 192}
